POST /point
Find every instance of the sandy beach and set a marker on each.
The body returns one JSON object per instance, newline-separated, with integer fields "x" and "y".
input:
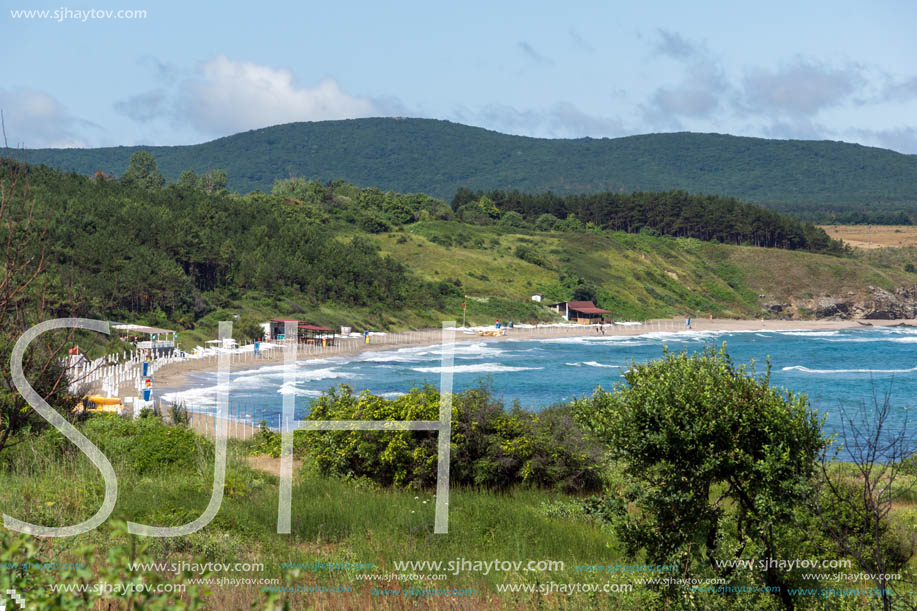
{"x": 175, "y": 375}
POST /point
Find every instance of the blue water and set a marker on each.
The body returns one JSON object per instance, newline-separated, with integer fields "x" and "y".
{"x": 837, "y": 369}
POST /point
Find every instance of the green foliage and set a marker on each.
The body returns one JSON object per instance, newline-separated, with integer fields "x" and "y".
{"x": 104, "y": 568}
{"x": 819, "y": 179}
{"x": 675, "y": 213}
{"x": 546, "y": 222}
{"x": 512, "y": 219}
{"x": 491, "y": 447}
{"x": 265, "y": 441}
{"x": 173, "y": 254}
{"x": 531, "y": 255}
{"x": 909, "y": 267}
{"x": 697, "y": 433}
{"x": 143, "y": 172}
{"x": 145, "y": 445}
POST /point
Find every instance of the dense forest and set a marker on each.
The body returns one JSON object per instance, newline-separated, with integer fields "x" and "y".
{"x": 137, "y": 246}
{"x": 814, "y": 180}
{"x": 121, "y": 247}
{"x": 675, "y": 213}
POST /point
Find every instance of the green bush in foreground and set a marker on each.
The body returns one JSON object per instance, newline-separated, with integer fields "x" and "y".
{"x": 491, "y": 447}
{"x": 698, "y": 434}
{"x": 109, "y": 584}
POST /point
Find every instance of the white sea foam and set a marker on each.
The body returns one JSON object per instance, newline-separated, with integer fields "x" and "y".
{"x": 829, "y": 371}
{"x": 290, "y": 389}
{"x": 476, "y": 368}
{"x": 811, "y": 333}
{"x": 592, "y": 364}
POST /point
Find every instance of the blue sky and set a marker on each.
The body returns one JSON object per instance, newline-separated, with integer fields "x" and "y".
{"x": 187, "y": 73}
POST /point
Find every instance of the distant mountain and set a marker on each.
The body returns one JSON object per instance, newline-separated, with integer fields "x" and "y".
{"x": 437, "y": 157}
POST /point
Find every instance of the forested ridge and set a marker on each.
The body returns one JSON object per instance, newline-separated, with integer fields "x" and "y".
{"x": 138, "y": 247}
{"x": 815, "y": 180}
{"x": 675, "y": 213}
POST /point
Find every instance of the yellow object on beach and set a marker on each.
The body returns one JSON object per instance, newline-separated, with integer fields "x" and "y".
{"x": 100, "y": 400}
{"x": 494, "y": 333}
{"x": 98, "y": 404}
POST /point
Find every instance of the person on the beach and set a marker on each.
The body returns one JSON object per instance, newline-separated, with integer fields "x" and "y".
{"x": 687, "y": 321}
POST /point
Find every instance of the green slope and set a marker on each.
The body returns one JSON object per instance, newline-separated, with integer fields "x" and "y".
{"x": 636, "y": 276}
{"x": 438, "y": 157}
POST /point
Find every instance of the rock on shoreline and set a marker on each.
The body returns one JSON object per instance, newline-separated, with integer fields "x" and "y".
{"x": 874, "y": 303}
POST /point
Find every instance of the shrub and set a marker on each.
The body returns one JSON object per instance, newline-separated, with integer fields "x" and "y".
{"x": 530, "y": 255}
{"x": 511, "y": 219}
{"x": 909, "y": 267}
{"x": 687, "y": 426}
{"x": 442, "y": 240}
{"x": 145, "y": 445}
{"x": 491, "y": 447}
{"x": 373, "y": 223}
{"x": 546, "y": 222}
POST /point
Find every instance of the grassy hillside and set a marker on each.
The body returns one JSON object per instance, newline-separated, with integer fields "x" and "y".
{"x": 636, "y": 276}
{"x": 811, "y": 178}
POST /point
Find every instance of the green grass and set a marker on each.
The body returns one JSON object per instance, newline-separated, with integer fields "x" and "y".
{"x": 333, "y": 520}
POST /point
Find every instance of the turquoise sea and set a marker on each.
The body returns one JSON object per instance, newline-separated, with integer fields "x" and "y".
{"x": 840, "y": 369}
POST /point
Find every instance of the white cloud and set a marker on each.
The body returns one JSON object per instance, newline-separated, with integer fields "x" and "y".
{"x": 231, "y": 96}
{"x": 801, "y": 88}
{"x": 143, "y": 107}
{"x": 35, "y": 119}
{"x": 697, "y": 95}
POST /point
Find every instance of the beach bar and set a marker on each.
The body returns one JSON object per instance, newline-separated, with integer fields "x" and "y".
{"x": 580, "y": 312}
{"x": 306, "y": 333}
{"x": 158, "y": 342}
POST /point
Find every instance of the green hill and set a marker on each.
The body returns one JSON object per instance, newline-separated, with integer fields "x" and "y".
{"x": 818, "y": 180}
{"x": 182, "y": 257}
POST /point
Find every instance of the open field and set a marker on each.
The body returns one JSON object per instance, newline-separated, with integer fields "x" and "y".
{"x": 874, "y": 236}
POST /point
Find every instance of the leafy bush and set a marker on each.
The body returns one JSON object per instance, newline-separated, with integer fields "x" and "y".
{"x": 511, "y": 219}
{"x": 546, "y": 222}
{"x": 91, "y": 565}
{"x": 373, "y": 223}
{"x": 530, "y": 255}
{"x": 491, "y": 446}
{"x": 442, "y": 240}
{"x": 691, "y": 428}
{"x": 265, "y": 441}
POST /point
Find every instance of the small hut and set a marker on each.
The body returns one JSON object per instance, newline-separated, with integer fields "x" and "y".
{"x": 306, "y": 333}
{"x": 580, "y": 312}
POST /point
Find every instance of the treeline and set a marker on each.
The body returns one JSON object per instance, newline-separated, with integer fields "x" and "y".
{"x": 115, "y": 248}
{"x": 675, "y": 213}
{"x": 854, "y": 217}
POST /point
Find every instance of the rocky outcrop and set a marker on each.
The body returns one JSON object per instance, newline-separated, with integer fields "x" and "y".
{"x": 885, "y": 305}
{"x": 873, "y": 303}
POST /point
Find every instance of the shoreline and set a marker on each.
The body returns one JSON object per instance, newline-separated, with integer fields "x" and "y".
{"x": 174, "y": 377}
